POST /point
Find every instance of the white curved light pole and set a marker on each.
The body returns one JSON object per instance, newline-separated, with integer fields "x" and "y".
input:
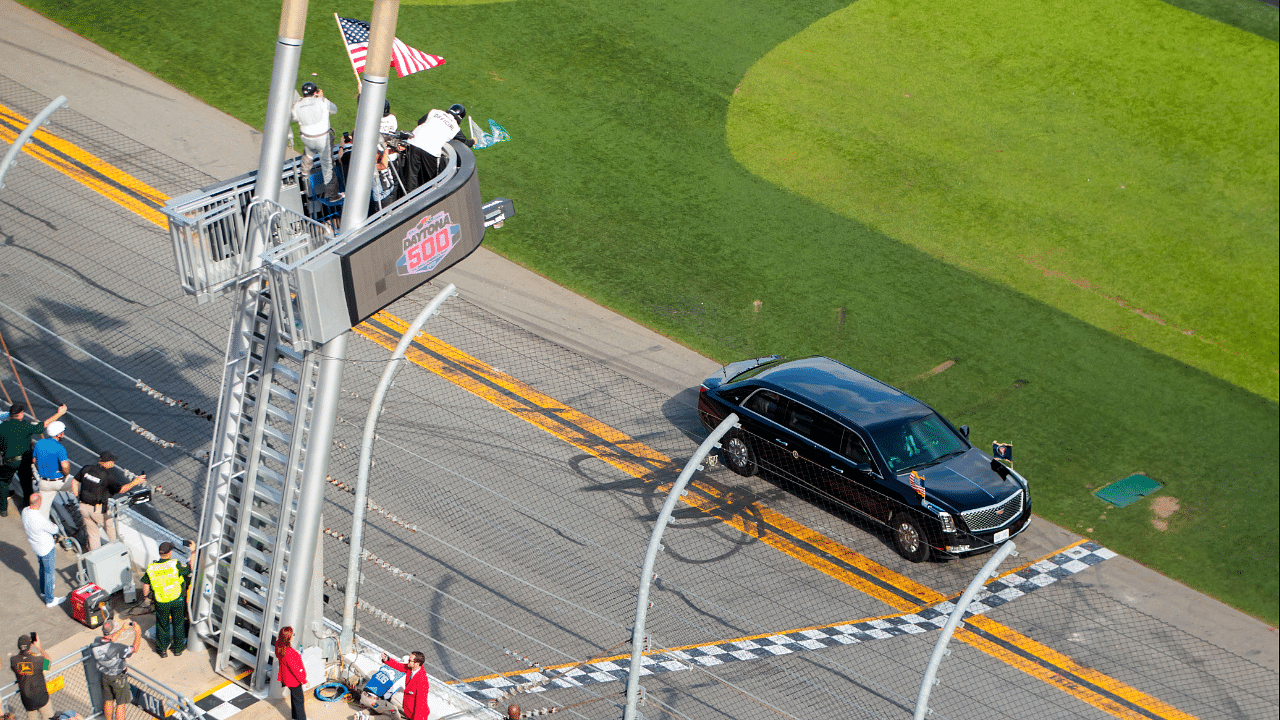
{"x": 11, "y": 157}
{"x": 940, "y": 647}
{"x": 346, "y": 640}
{"x": 651, "y": 555}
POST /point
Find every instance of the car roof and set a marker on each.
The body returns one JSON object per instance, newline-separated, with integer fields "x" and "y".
{"x": 840, "y": 390}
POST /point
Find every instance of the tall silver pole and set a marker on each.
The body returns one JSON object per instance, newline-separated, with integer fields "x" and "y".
{"x": 651, "y": 556}
{"x": 347, "y": 637}
{"x": 284, "y": 74}
{"x": 940, "y": 647}
{"x": 333, "y": 354}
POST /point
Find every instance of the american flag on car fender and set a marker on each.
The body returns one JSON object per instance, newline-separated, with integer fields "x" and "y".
{"x": 406, "y": 60}
{"x": 917, "y": 483}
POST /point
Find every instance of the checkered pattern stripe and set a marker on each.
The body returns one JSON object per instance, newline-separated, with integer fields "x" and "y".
{"x": 225, "y": 702}
{"x": 1006, "y": 589}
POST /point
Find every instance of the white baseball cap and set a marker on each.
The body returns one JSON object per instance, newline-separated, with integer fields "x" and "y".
{"x": 55, "y": 428}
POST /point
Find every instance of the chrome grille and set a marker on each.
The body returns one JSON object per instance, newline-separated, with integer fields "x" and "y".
{"x": 993, "y": 516}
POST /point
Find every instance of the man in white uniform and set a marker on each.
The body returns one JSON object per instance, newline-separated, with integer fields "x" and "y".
{"x": 312, "y": 115}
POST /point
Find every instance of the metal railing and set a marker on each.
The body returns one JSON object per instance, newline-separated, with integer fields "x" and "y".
{"x": 81, "y": 692}
{"x": 294, "y": 239}
{"x": 208, "y": 228}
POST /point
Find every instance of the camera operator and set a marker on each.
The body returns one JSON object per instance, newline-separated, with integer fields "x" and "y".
{"x": 110, "y": 656}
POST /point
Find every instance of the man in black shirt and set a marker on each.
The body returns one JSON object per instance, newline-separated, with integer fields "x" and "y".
{"x": 94, "y": 485}
{"x": 28, "y": 669}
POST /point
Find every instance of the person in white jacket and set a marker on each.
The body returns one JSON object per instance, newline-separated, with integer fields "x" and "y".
{"x": 312, "y": 115}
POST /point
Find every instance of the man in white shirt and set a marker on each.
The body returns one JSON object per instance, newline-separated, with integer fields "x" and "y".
{"x": 41, "y": 534}
{"x": 312, "y": 115}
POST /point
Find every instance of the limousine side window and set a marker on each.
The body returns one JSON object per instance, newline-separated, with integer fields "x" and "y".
{"x": 813, "y": 425}
{"x": 854, "y": 449}
{"x": 769, "y": 404}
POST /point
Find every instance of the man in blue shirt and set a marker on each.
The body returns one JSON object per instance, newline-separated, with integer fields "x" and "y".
{"x": 15, "y": 442}
{"x": 53, "y": 469}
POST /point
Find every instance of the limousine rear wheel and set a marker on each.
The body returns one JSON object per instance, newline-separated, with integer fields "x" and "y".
{"x": 909, "y": 537}
{"x": 737, "y": 454}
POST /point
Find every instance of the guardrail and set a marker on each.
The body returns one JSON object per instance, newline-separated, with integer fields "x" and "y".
{"x": 81, "y": 693}
{"x": 209, "y": 227}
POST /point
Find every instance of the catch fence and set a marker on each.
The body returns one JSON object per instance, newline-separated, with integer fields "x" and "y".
{"x": 514, "y": 486}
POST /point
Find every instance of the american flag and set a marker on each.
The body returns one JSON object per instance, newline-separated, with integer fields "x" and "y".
{"x": 917, "y": 483}
{"x": 404, "y": 59}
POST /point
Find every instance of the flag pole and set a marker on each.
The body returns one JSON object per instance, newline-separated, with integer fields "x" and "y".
{"x": 351, "y": 60}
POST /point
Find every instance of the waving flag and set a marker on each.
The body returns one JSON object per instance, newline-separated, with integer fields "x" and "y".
{"x": 1004, "y": 451}
{"x": 406, "y": 60}
{"x": 917, "y": 483}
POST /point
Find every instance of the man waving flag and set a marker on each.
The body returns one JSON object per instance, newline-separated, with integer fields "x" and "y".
{"x": 406, "y": 60}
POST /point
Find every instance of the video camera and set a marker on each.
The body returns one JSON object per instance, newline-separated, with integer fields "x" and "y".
{"x": 397, "y": 138}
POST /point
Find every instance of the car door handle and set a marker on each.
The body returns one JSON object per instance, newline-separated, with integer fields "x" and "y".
{"x": 833, "y": 467}
{"x": 783, "y": 443}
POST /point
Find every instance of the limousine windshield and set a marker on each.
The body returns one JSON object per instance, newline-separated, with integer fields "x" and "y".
{"x": 916, "y": 442}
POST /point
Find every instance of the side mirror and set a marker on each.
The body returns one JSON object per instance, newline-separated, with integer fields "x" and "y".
{"x": 964, "y": 430}
{"x": 866, "y": 469}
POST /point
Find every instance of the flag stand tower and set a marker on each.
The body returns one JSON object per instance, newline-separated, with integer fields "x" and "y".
{"x": 299, "y": 288}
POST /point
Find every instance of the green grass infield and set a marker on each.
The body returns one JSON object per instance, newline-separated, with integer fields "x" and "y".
{"x": 625, "y": 165}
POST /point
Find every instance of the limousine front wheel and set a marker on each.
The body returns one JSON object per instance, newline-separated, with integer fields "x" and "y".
{"x": 909, "y": 537}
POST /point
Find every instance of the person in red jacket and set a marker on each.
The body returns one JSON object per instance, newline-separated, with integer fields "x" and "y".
{"x": 292, "y": 674}
{"x": 416, "y": 685}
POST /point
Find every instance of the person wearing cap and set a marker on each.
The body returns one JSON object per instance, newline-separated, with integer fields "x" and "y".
{"x": 16, "y": 434}
{"x": 312, "y": 112}
{"x": 53, "y": 469}
{"x": 167, "y": 578}
{"x": 28, "y": 670}
{"x": 42, "y": 535}
{"x": 93, "y": 486}
{"x": 110, "y": 656}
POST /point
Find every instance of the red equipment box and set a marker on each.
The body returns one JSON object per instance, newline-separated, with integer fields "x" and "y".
{"x": 89, "y": 605}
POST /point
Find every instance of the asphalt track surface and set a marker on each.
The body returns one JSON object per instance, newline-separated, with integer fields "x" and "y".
{"x": 518, "y": 479}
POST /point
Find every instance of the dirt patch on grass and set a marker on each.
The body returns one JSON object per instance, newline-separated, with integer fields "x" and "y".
{"x": 1163, "y": 508}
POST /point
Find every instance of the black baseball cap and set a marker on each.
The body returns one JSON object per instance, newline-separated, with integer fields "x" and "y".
{"x": 106, "y": 456}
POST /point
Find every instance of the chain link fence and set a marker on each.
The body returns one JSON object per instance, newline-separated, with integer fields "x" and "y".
{"x": 81, "y": 693}
{"x": 514, "y": 488}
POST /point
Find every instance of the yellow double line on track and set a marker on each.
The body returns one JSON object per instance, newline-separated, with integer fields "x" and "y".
{"x": 640, "y": 461}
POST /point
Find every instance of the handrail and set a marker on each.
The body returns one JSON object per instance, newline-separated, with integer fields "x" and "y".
{"x": 188, "y": 708}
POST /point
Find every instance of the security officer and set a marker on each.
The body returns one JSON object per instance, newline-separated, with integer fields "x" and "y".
{"x": 93, "y": 486}
{"x": 167, "y": 577}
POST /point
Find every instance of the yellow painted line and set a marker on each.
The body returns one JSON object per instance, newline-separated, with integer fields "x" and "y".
{"x": 1028, "y": 564}
{"x": 216, "y": 688}
{"x": 568, "y": 424}
{"x": 755, "y": 520}
{"x": 86, "y": 168}
{"x": 1100, "y": 690}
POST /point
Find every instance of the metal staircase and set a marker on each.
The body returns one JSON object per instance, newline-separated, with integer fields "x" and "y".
{"x": 268, "y": 387}
{"x": 252, "y": 534}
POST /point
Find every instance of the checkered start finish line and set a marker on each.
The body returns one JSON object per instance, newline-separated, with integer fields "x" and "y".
{"x": 998, "y": 592}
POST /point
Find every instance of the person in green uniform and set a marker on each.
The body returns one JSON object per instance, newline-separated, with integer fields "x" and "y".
{"x": 15, "y": 440}
{"x": 167, "y": 579}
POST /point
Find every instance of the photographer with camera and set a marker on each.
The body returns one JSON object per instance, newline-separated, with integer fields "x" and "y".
{"x": 312, "y": 113}
{"x": 110, "y": 656}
